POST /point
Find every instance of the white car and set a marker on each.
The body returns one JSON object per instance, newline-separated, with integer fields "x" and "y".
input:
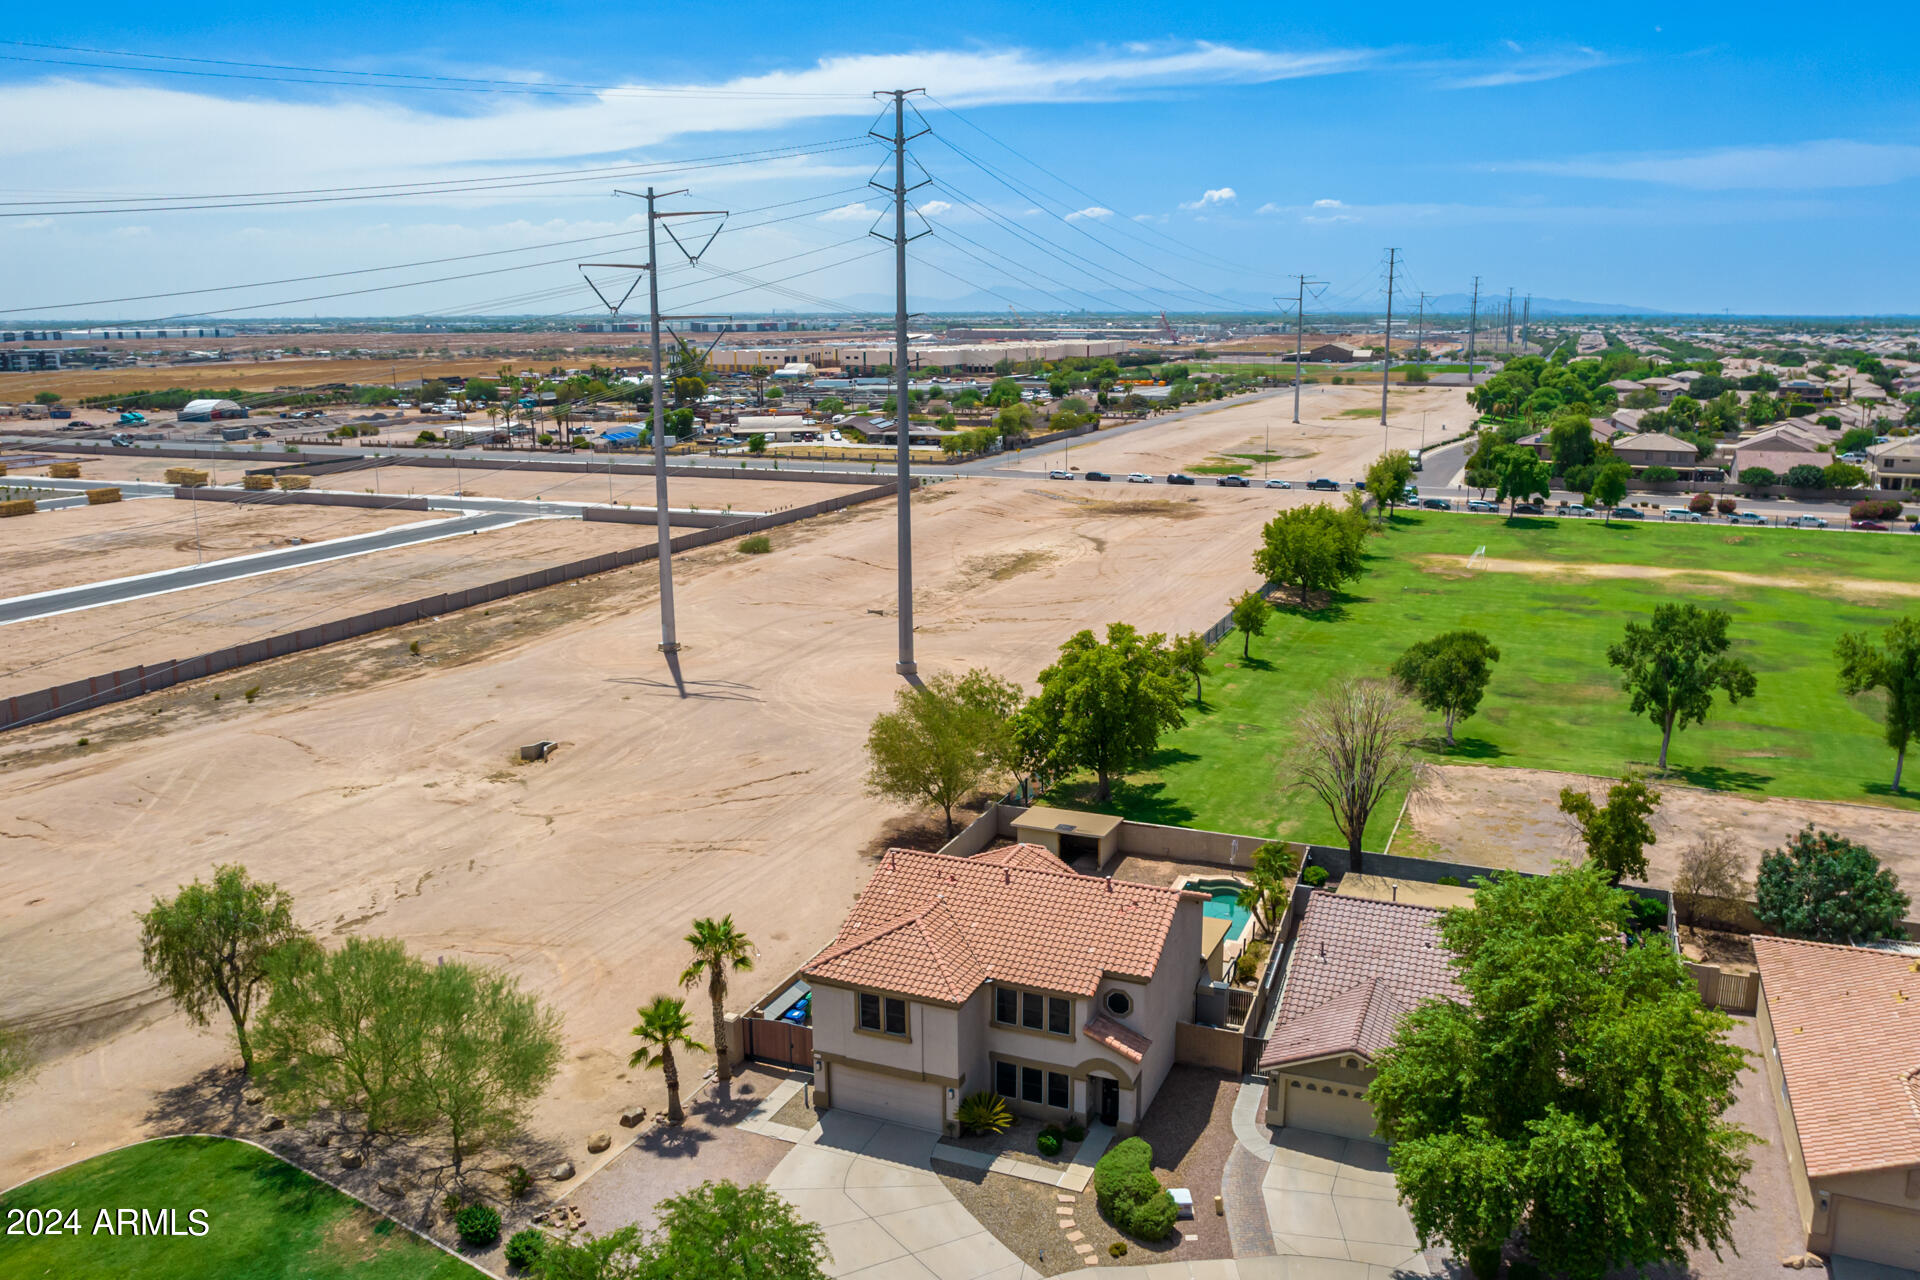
{"x": 1684, "y": 515}
{"x": 1057, "y": 474}
{"x": 1576, "y": 509}
{"x": 835, "y": 435}
{"x": 1279, "y": 484}
{"x": 1808, "y": 522}
{"x": 1139, "y": 477}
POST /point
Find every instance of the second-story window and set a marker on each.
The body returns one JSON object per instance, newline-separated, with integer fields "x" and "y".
{"x": 883, "y": 1014}
{"x": 1033, "y": 1010}
{"x": 1059, "y": 1016}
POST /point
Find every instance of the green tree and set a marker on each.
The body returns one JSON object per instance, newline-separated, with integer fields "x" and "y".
{"x": 717, "y": 947}
{"x": 943, "y": 739}
{"x": 1188, "y": 653}
{"x": 756, "y": 443}
{"x": 1313, "y": 548}
{"x": 1842, "y": 475}
{"x": 1893, "y": 667}
{"x": 1804, "y": 475}
{"x": 663, "y": 1027}
{"x": 1388, "y": 478}
{"x": 1103, "y": 705}
{"x": 1267, "y": 883}
{"x": 216, "y": 943}
{"x": 1356, "y": 743}
{"x": 1616, "y": 834}
{"x": 1854, "y": 440}
{"x": 1014, "y": 421}
{"x": 1671, "y": 667}
{"x": 1608, "y": 486}
{"x": 1448, "y": 674}
{"x": 1250, "y": 614}
{"x": 620, "y": 1254}
{"x": 490, "y": 1049}
{"x": 46, "y": 397}
{"x": 1003, "y": 392}
{"x": 1483, "y": 464}
{"x": 1826, "y": 888}
{"x": 1575, "y": 1097}
{"x": 1524, "y": 476}
{"x": 1758, "y": 477}
{"x": 345, "y": 1030}
{"x": 1570, "y": 438}
{"x": 719, "y": 1231}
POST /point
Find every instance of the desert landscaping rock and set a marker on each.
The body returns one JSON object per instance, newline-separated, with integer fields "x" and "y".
{"x": 350, "y": 1160}
{"x": 632, "y": 1116}
{"x": 272, "y": 1124}
{"x": 562, "y": 1171}
{"x": 599, "y": 1142}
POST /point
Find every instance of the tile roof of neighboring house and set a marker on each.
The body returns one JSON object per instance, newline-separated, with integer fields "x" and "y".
{"x": 1627, "y": 420}
{"x": 1031, "y": 856}
{"x": 1606, "y": 428}
{"x": 1653, "y": 442}
{"x": 937, "y": 927}
{"x": 1776, "y": 462}
{"x": 1624, "y": 385}
{"x": 1795, "y": 434}
{"x": 1357, "y": 965}
{"x": 1904, "y": 449}
{"x": 1125, "y": 1041}
{"x": 1846, "y": 1021}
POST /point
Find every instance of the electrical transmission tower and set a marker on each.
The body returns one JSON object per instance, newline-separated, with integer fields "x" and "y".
{"x": 1473, "y": 329}
{"x": 1299, "y": 328}
{"x": 1386, "y": 364}
{"x": 905, "y": 664}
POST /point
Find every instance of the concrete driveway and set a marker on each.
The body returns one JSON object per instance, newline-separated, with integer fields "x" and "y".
{"x": 887, "y": 1216}
{"x": 1333, "y": 1198}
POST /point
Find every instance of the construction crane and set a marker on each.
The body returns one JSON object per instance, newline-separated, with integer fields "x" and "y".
{"x": 1166, "y": 328}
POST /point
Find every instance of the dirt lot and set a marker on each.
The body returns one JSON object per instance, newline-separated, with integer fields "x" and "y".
{"x": 46, "y": 651}
{"x": 383, "y": 789}
{"x": 74, "y": 545}
{"x": 1511, "y": 818}
{"x": 708, "y": 494}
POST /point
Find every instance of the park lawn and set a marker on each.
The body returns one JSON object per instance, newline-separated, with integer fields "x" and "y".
{"x": 1553, "y": 703}
{"x": 267, "y": 1221}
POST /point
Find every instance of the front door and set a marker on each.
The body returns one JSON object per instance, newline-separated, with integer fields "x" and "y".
{"x": 1109, "y": 1100}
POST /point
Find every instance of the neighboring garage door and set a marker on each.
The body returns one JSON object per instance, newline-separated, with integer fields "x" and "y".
{"x": 908, "y": 1102}
{"x": 1323, "y": 1107}
{"x": 1876, "y": 1233}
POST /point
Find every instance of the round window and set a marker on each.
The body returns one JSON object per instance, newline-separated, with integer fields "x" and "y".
{"x": 1119, "y": 1003}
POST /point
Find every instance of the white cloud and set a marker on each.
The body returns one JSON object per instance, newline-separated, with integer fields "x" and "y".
{"x": 1092, "y": 213}
{"x": 855, "y": 212}
{"x": 1512, "y": 44}
{"x": 1524, "y": 68}
{"x": 1149, "y": 217}
{"x": 1328, "y": 204}
{"x": 1213, "y": 196}
{"x": 934, "y": 208}
{"x": 1794, "y": 166}
{"x": 1270, "y": 207}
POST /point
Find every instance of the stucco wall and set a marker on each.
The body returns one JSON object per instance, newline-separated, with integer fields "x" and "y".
{"x": 931, "y": 1048}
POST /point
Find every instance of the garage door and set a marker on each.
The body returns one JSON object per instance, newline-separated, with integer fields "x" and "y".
{"x": 1324, "y": 1107}
{"x": 890, "y": 1098}
{"x": 1876, "y": 1233}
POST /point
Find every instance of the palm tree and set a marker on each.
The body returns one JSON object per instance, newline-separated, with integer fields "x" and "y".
{"x": 718, "y": 946}
{"x": 663, "y": 1025}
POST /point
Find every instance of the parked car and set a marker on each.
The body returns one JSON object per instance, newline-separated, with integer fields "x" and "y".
{"x": 1096, "y": 475}
{"x": 1279, "y": 484}
{"x": 1576, "y": 509}
{"x": 1233, "y": 482}
{"x": 1872, "y": 526}
{"x": 1807, "y": 522}
{"x": 261, "y": 433}
{"x": 1746, "y": 517}
{"x": 1685, "y": 515}
{"x": 1179, "y": 477}
{"x": 834, "y": 435}
{"x": 1528, "y": 509}
{"x": 1627, "y": 513}
{"x": 1436, "y": 504}
{"x": 1139, "y": 477}
{"x": 1481, "y": 504}
{"x": 1058, "y": 474}
{"x": 1323, "y": 482}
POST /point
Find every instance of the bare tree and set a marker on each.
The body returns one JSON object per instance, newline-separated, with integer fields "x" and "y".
{"x": 1709, "y": 874}
{"x": 1355, "y": 744}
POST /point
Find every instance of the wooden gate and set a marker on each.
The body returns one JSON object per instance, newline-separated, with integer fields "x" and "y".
{"x": 781, "y": 1043}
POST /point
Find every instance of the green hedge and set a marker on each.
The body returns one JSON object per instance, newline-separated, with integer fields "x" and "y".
{"x": 1128, "y": 1194}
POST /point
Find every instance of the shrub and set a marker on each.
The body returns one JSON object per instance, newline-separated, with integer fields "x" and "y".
{"x": 1875, "y": 509}
{"x": 1451, "y": 882}
{"x": 1484, "y": 1261}
{"x": 525, "y": 1248}
{"x": 252, "y": 693}
{"x": 1805, "y": 476}
{"x": 1726, "y": 506}
{"x": 1758, "y": 477}
{"x": 1075, "y": 1131}
{"x": 1659, "y": 475}
{"x": 1048, "y": 1143}
{"x": 983, "y": 1112}
{"x": 477, "y": 1224}
{"x": 758, "y": 545}
{"x": 1647, "y": 913}
{"x": 1314, "y": 877}
{"x": 519, "y": 1182}
{"x": 1118, "y": 1249}
{"x": 1700, "y": 503}
{"x": 1129, "y": 1195}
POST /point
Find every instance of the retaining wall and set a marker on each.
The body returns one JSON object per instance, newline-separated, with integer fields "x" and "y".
{"x": 303, "y": 498}
{"x": 480, "y": 462}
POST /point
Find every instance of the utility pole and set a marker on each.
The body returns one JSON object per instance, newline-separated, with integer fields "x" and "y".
{"x": 1526, "y": 322}
{"x": 1299, "y": 328}
{"x": 1386, "y": 364}
{"x": 1473, "y": 329}
{"x": 1509, "y": 319}
{"x": 1420, "y": 340}
{"x": 905, "y": 665}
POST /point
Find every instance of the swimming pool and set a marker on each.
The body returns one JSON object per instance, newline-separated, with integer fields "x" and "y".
{"x": 1223, "y": 903}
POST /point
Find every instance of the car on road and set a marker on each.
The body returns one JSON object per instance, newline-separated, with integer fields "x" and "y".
{"x": 120, "y": 442}
{"x": 1436, "y": 504}
{"x": 1139, "y": 477}
{"x": 834, "y": 435}
{"x": 1806, "y": 522}
{"x": 1279, "y": 484}
{"x": 1627, "y": 513}
{"x": 1576, "y": 509}
{"x": 1233, "y": 482}
{"x": 1871, "y": 526}
{"x": 1058, "y": 474}
{"x": 1528, "y": 509}
{"x": 1481, "y": 504}
{"x": 1746, "y": 517}
{"x": 1323, "y": 482}
{"x": 1685, "y": 515}
{"x": 1097, "y": 475}
{"x": 1179, "y": 477}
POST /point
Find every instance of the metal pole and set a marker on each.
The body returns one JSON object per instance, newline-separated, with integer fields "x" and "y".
{"x": 1299, "y": 325}
{"x": 669, "y": 643}
{"x": 1473, "y": 326}
{"x": 1386, "y": 364}
{"x": 906, "y": 666}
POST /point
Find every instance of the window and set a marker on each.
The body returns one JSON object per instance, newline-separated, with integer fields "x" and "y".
{"x": 1030, "y": 1084}
{"x": 869, "y": 1011}
{"x": 1033, "y": 1011}
{"x": 1059, "y": 1016}
{"x": 1119, "y": 1003}
{"x": 896, "y": 1017}
{"x": 1005, "y": 1079}
{"x": 1006, "y": 1005}
{"x": 1057, "y": 1090}
{"x": 886, "y": 1014}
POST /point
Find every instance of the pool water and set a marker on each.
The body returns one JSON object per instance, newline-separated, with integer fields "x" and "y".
{"x": 1223, "y": 903}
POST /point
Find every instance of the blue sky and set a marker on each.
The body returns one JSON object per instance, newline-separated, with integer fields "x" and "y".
{"x": 1687, "y": 158}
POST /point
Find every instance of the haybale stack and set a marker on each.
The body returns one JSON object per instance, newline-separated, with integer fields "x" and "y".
{"x": 290, "y": 483}
{"x": 18, "y": 507}
{"x": 64, "y": 470}
{"x": 97, "y": 496}
{"x": 185, "y": 477}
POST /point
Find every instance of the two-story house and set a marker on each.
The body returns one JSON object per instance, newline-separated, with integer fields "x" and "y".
{"x": 1007, "y": 972}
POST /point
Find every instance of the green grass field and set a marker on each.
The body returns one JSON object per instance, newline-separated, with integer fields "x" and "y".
{"x": 266, "y": 1220}
{"x": 1554, "y": 703}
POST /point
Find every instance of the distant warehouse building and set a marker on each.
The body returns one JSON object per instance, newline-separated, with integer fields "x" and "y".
{"x": 1339, "y": 353}
{"x": 211, "y": 410}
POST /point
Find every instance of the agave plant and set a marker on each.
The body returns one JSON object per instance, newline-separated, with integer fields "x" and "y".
{"x": 983, "y": 1112}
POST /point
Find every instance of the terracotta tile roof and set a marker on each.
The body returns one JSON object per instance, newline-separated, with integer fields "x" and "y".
{"x": 1357, "y": 967}
{"x": 1846, "y": 1021}
{"x": 936, "y": 927}
{"x": 1123, "y": 1040}
{"x": 1034, "y": 857}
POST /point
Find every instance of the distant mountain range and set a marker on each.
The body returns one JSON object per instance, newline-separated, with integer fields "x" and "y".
{"x": 1109, "y": 301}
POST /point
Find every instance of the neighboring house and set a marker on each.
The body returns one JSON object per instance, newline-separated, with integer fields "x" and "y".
{"x": 1603, "y": 431}
{"x": 1625, "y": 387}
{"x": 1687, "y": 377}
{"x": 1626, "y": 421}
{"x": 1356, "y": 967}
{"x": 1665, "y": 388}
{"x": 1895, "y": 464}
{"x": 1007, "y": 972}
{"x": 1840, "y": 1039}
{"x": 1655, "y": 450}
{"x": 1779, "y": 449}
